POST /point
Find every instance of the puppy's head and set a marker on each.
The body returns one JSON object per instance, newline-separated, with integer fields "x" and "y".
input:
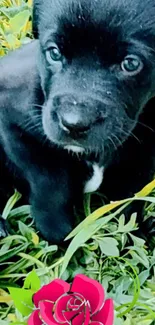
{"x": 97, "y": 67}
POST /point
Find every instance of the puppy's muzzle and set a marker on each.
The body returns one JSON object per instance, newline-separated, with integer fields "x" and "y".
{"x": 77, "y": 116}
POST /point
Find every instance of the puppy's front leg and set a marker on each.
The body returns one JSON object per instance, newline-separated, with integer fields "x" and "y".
{"x": 50, "y": 177}
{"x": 52, "y": 200}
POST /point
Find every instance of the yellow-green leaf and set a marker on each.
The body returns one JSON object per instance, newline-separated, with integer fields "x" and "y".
{"x": 22, "y": 300}
{"x": 35, "y": 238}
{"x": 94, "y": 216}
{"x": 32, "y": 281}
{"x": 18, "y": 22}
{"x": 111, "y": 206}
{"x": 146, "y": 190}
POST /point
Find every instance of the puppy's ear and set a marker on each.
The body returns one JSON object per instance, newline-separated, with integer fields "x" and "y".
{"x": 35, "y": 19}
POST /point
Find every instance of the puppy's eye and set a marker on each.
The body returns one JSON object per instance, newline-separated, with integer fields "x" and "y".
{"x": 132, "y": 65}
{"x": 53, "y": 54}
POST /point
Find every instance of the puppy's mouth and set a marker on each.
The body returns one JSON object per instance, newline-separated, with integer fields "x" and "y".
{"x": 69, "y": 134}
{"x": 75, "y": 149}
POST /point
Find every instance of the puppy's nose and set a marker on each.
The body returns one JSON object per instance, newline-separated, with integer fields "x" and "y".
{"x": 75, "y": 128}
{"x": 74, "y": 125}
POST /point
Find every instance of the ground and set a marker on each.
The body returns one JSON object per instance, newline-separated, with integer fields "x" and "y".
{"x": 99, "y": 246}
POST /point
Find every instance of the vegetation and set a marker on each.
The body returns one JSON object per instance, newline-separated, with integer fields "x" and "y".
{"x": 104, "y": 246}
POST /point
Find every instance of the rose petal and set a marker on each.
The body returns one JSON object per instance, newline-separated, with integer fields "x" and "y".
{"x": 46, "y": 314}
{"x": 68, "y": 315}
{"x": 96, "y": 323}
{"x": 34, "y": 319}
{"x": 87, "y": 315}
{"x": 106, "y": 314}
{"x": 65, "y": 310}
{"x": 60, "y": 306}
{"x": 51, "y": 291}
{"x": 78, "y": 320}
{"x": 91, "y": 289}
{"x": 76, "y": 301}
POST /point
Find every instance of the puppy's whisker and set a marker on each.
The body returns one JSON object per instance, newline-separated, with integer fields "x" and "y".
{"x": 117, "y": 139}
{"x": 29, "y": 121}
{"x": 33, "y": 127}
{"x": 135, "y": 137}
{"x": 113, "y": 143}
{"x": 130, "y": 133}
{"x": 146, "y": 126}
{"x": 37, "y": 105}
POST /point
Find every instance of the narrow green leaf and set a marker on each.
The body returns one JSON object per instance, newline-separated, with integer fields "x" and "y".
{"x": 25, "y": 230}
{"x": 140, "y": 196}
{"x": 81, "y": 238}
{"x": 95, "y": 216}
{"x": 20, "y": 211}
{"x": 12, "y": 252}
{"x": 10, "y": 204}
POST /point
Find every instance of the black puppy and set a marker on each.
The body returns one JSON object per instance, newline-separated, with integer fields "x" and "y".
{"x": 87, "y": 86}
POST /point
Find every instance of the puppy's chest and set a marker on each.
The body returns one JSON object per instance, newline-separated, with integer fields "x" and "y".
{"x": 95, "y": 178}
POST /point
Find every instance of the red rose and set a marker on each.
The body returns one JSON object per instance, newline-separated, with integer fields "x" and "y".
{"x": 82, "y": 303}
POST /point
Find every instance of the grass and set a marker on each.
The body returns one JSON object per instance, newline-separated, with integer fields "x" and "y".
{"x": 99, "y": 246}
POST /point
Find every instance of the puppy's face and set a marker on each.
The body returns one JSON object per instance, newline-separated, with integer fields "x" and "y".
{"x": 97, "y": 66}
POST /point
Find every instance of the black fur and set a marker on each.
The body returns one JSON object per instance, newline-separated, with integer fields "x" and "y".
{"x": 113, "y": 109}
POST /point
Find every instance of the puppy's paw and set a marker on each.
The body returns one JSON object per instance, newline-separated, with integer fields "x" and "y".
{"x": 53, "y": 224}
{"x": 54, "y": 232}
{"x": 3, "y": 228}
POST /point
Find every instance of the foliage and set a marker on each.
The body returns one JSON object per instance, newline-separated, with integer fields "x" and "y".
{"x": 99, "y": 248}
{"x": 15, "y": 24}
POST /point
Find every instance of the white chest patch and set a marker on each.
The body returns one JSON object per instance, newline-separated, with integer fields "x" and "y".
{"x": 95, "y": 181}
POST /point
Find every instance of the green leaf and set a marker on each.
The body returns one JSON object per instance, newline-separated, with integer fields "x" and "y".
{"x": 140, "y": 254}
{"x": 17, "y": 323}
{"x": 12, "y": 11}
{"x": 127, "y": 321}
{"x": 121, "y": 222}
{"x": 82, "y": 237}
{"x": 22, "y": 300}
{"x": 95, "y": 216}
{"x": 145, "y": 322}
{"x": 129, "y": 226}
{"x": 25, "y": 230}
{"x": 12, "y": 252}
{"x": 19, "y": 21}
{"x": 146, "y": 189}
{"x": 108, "y": 246}
{"x": 137, "y": 241}
{"x": 32, "y": 281}
{"x": 143, "y": 276}
{"x": 111, "y": 206}
{"x": 87, "y": 209}
{"x": 10, "y": 204}
{"x": 119, "y": 321}
{"x": 20, "y": 211}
